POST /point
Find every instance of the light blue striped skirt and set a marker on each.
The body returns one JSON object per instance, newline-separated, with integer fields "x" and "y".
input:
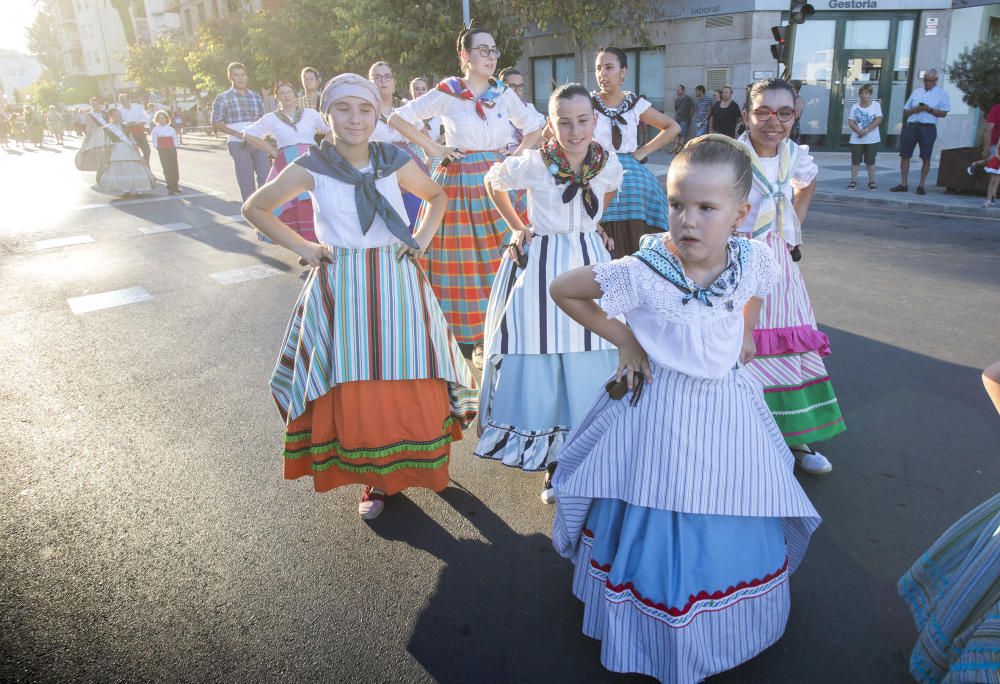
{"x": 641, "y": 197}
{"x": 367, "y": 316}
{"x": 696, "y": 464}
{"x": 530, "y": 402}
{"x": 953, "y": 591}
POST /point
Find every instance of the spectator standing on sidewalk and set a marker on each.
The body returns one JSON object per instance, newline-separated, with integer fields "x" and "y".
{"x": 725, "y": 114}
{"x": 865, "y": 119}
{"x": 703, "y": 107}
{"x": 233, "y": 111}
{"x": 684, "y": 108}
{"x": 134, "y": 120}
{"x": 922, "y": 110}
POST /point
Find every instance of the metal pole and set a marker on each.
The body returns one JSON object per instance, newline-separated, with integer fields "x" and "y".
{"x": 465, "y": 13}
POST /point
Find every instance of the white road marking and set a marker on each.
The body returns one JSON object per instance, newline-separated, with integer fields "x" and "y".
{"x": 107, "y": 300}
{"x": 164, "y": 228}
{"x": 64, "y": 242}
{"x": 241, "y": 275}
{"x": 148, "y": 200}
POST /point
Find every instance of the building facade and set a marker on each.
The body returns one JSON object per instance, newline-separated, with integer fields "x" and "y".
{"x": 17, "y": 72}
{"x": 844, "y": 45}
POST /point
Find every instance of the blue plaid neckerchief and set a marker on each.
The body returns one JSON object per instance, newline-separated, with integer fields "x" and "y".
{"x": 385, "y": 160}
{"x": 665, "y": 263}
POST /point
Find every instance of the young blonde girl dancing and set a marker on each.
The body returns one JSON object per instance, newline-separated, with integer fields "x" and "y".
{"x": 675, "y": 494}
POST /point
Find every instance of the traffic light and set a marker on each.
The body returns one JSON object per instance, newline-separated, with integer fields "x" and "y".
{"x": 779, "y": 50}
{"x": 800, "y": 11}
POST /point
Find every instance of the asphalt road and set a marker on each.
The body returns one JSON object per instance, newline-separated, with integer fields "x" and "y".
{"x": 147, "y": 533}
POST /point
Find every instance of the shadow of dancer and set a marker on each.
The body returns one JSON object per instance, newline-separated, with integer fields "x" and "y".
{"x": 503, "y": 606}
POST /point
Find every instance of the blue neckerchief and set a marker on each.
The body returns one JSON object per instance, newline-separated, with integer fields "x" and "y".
{"x": 385, "y": 160}
{"x": 665, "y": 263}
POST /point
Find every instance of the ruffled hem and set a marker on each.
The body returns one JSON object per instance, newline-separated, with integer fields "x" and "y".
{"x": 638, "y": 638}
{"x": 529, "y": 450}
{"x": 792, "y": 340}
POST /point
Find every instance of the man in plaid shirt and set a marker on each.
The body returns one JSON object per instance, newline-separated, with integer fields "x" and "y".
{"x": 232, "y": 112}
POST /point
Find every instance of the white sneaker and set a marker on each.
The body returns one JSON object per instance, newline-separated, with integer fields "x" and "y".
{"x": 548, "y": 493}
{"x": 811, "y": 461}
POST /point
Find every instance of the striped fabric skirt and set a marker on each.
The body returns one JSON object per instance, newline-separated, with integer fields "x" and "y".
{"x": 684, "y": 522}
{"x": 464, "y": 256}
{"x": 953, "y": 591}
{"x": 789, "y": 362}
{"x": 297, "y": 213}
{"x": 411, "y": 201}
{"x": 640, "y": 207}
{"x": 370, "y": 383}
{"x": 542, "y": 367}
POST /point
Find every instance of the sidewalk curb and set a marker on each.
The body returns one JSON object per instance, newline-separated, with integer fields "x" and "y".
{"x": 911, "y": 205}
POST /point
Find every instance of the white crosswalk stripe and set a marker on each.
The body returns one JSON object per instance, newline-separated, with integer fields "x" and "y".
{"x": 107, "y": 300}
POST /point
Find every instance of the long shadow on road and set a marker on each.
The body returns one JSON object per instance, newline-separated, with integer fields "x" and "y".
{"x": 502, "y": 610}
{"x": 920, "y": 450}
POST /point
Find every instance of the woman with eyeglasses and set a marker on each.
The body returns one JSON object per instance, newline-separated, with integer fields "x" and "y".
{"x": 641, "y": 205}
{"x": 477, "y": 112}
{"x": 789, "y": 347}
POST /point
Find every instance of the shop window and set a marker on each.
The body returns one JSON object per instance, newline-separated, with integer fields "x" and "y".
{"x": 866, "y": 34}
{"x": 546, "y": 74}
{"x": 812, "y": 64}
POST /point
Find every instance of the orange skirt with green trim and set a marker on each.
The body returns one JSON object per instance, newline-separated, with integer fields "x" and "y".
{"x": 390, "y": 434}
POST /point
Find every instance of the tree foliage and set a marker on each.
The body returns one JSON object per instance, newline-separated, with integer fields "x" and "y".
{"x": 975, "y": 74}
{"x": 161, "y": 65}
{"x": 334, "y": 36}
{"x": 584, "y": 20}
{"x": 43, "y": 43}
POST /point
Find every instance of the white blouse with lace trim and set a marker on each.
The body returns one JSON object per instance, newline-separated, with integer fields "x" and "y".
{"x": 462, "y": 126}
{"x": 547, "y": 213}
{"x": 630, "y": 131}
{"x": 695, "y": 339}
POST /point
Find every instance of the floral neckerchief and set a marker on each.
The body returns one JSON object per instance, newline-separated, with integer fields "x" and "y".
{"x": 616, "y": 115}
{"x": 660, "y": 259}
{"x": 296, "y": 117}
{"x": 555, "y": 161}
{"x": 456, "y": 87}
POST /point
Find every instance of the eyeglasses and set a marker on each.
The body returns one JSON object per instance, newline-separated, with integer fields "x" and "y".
{"x": 765, "y": 114}
{"x": 486, "y": 51}
{"x": 517, "y": 87}
{"x": 382, "y": 79}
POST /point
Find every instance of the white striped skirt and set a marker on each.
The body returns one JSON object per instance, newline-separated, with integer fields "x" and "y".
{"x": 702, "y": 456}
